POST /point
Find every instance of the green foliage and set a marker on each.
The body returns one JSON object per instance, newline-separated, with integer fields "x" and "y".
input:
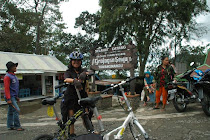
{"x": 189, "y": 54}
{"x": 186, "y": 54}
{"x": 30, "y": 26}
{"x": 147, "y": 22}
{"x": 15, "y": 35}
{"x": 89, "y": 23}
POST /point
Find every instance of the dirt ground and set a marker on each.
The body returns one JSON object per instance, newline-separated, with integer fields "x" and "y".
{"x": 160, "y": 125}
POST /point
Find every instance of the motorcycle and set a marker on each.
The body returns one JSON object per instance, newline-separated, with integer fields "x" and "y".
{"x": 203, "y": 88}
{"x": 183, "y": 93}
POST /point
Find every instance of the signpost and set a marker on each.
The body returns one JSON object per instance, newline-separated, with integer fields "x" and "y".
{"x": 119, "y": 57}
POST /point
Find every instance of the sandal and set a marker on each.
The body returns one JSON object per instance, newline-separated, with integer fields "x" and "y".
{"x": 20, "y": 129}
{"x": 156, "y": 107}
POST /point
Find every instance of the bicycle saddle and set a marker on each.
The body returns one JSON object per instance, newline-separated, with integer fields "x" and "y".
{"x": 49, "y": 101}
{"x": 89, "y": 101}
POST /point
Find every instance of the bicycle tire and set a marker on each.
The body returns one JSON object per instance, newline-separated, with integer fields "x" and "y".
{"x": 136, "y": 132}
{"x": 44, "y": 137}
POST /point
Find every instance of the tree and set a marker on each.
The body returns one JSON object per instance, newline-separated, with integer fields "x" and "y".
{"x": 15, "y": 35}
{"x": 48, "y": 24}
{"x": 147, "y": 23}
{"x": 89, "y": 23}
{"x": 188, "y": 54}
{"x": 30, "y": 26}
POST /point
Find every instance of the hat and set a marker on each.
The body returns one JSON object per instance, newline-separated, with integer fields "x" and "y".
{"x": 10, "y": 64}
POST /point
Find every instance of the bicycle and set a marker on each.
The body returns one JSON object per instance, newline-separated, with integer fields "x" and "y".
{"x": 62, "y": 133}
{"x": 136, "y": 128}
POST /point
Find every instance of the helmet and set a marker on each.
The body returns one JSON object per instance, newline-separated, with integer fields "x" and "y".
{"x": 76, "y": 55}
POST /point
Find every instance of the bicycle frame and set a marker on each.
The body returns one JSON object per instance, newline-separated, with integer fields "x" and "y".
{"x": 72, "y": 119}
{"x": 130, "y": 119}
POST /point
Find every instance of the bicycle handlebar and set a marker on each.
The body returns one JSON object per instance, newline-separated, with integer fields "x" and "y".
{"x": 121, "y": 83}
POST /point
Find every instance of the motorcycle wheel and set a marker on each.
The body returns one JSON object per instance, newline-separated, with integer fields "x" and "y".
{"x": 179, "y": 106}
{"x": 206, "y": 104}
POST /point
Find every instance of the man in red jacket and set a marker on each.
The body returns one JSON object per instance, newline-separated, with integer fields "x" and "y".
{"x": 11, "y": 85}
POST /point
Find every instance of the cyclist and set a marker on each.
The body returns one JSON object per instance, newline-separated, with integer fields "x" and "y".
{"x": 76, "y": 76}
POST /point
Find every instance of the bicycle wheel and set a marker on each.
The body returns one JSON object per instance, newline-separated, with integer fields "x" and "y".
{"x": 44, "y": 137}
{"x": 137, "y": 131}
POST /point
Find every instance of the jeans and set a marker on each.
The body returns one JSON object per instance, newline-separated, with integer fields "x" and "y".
{"x": 13, "y": 114}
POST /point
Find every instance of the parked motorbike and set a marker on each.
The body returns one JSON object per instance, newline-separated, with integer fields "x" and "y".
{"x": 183, "y": 93}
{"x": 203, "y": 89}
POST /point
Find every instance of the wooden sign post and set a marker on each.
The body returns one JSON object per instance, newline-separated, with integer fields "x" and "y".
{"x": 120, "y": 58}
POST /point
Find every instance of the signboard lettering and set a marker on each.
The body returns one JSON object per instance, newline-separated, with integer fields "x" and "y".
{"x": 120, "y": 57}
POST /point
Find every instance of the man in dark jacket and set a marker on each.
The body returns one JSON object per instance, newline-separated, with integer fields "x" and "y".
{"x": 11, "y": 85}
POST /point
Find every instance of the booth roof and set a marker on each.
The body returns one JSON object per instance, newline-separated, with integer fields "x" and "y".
{"x": 31, "y": 63}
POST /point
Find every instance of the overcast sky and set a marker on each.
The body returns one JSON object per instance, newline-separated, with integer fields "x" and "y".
{"x": 73, "y": 8}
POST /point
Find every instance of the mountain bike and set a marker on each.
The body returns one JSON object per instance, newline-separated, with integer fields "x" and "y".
{"x": 136, "y": 128}
{"x": 62, "y": 133}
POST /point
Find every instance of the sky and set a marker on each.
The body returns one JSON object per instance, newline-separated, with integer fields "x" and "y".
{"x": 73, "y": 8}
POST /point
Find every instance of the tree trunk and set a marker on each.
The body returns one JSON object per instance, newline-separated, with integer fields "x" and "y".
{"x": 143, "y": 59}
{"x": 40, "y": 20}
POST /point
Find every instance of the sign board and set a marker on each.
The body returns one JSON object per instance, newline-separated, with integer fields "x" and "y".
{"x": 121, "y": 57}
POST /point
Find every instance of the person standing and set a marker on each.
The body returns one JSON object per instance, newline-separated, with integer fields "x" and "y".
{"x": 163, "y": 75}
{"x": 11, "y": 85}
{"x": 76, "y": 76}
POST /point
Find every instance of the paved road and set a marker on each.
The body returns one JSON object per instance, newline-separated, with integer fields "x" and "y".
{"x": 168, "y": 125}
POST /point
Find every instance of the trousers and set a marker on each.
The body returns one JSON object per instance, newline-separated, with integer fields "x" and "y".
{"x": 161, "y": 91}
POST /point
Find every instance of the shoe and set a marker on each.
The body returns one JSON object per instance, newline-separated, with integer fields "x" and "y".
{"x": 12, "y": 128}
{"x": 20, "y": 129}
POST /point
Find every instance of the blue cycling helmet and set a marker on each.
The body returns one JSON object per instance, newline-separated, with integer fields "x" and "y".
{"x": 76, "y": 55}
